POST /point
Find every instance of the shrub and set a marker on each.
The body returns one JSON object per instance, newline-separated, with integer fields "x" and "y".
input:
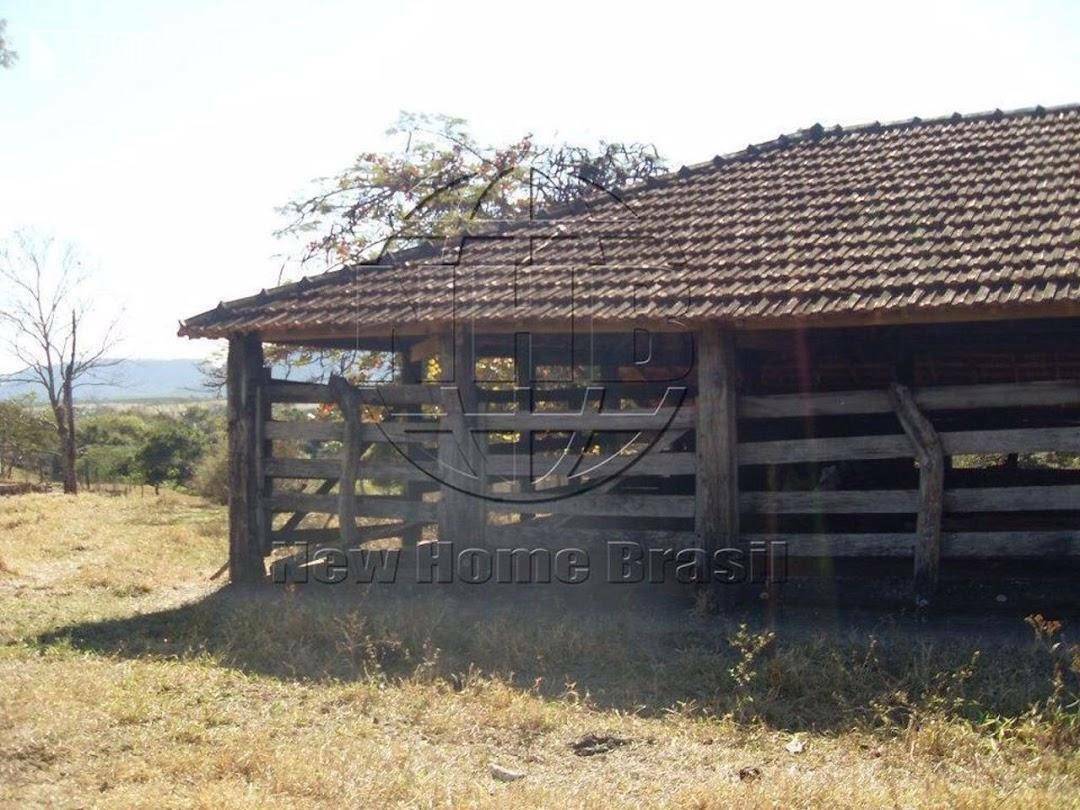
{"x": 170, "y": 453}
{"x": 211, "y": 478}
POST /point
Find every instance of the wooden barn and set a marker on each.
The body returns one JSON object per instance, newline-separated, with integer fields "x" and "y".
{"x": 859, "y": 345}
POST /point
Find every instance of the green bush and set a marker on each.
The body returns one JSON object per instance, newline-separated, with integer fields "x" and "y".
{"x": 211, "y": 478}
{"x": 169, "y": 454}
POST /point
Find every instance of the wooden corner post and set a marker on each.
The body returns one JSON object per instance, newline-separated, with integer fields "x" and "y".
{"x": 244, "y": 369}
{"x": 931, "y": 458}
{"x": 716, "y": 517}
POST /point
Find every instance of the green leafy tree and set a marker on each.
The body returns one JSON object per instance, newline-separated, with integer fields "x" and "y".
{"x": 26, "y": 434}
{"x": 441, "y": 178}
{"x": 111, "y": 428}
{"x": 211, "y": 479}
{"x": 109, "y": 444}
{"x": 170, "y": 454}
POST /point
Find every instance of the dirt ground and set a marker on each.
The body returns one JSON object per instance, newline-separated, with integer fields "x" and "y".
{"x": 128, "y": 677}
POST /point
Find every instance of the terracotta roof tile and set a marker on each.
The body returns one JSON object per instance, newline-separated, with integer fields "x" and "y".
{"x": 960, "y": 212}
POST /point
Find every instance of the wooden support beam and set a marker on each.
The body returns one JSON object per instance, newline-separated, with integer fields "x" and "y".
{"x": 949, "y": 397}
{"x": 1060, "y": 543}
{"x": 296, "y": 518}
{"x": 462, "y": 512}
{"x": 524, "y": 373}
{"x": 264, "y": 452}
{"x": 898, "y": 501}
{"x": 931, "y": 457}
{"x": 333, "y": 536}
{"x": 244, "y": 368}
{"x": 412, "y": 373}
{"x": 716, "y": 515}
{"x": 349, "y": 403}
{"x": 382, "y": 506}
{"x": 864, "y": 448}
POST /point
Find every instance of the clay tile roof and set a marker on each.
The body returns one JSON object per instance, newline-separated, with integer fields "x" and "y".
{"x": 959, "y": 213}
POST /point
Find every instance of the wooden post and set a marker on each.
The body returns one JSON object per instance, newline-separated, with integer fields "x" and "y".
{"x": 349, "y": 403}
{"x": 462, "y": 513}
{"x": 264, "y": 452}
{"x": 524, "y": 402}
{"x": 716, "y": 517}
{"x": 931, "y": 458}
{"x": 412, "y": 373}
{"x": 244, "y": 370}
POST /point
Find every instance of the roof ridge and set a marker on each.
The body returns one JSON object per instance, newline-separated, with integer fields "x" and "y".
{"x": 817, "y": 132}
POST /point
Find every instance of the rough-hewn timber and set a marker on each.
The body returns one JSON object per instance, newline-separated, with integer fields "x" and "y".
{"x": 245, "y": 371}
{"x": 931, "y": 457}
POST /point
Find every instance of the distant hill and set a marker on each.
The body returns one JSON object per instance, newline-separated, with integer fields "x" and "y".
{"x": 128, "y": 380}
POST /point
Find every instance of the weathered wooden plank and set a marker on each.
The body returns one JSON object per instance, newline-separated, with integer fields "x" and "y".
{"x": 298, "y": 392}
{"x": 264, "y": 450}
{"x": 303, "y": 467}
{"x": 855, "y": 448}
{"x": 716, "y": 505}
{"x": 958, "y": 397}
{"x": 364, "y": 534}
{"x": 838, "y": 403}
{"x": 880, "y": 501}
{"x": 308, "y": 430}
{"x": 390, "y": 395}
{"x": 1013, "y": 499}
{"x": 498, "y": 466}
{"x": 1019, "y": 440}
{"x": 316, "y": 430}
{"x": 607, "y": 505}
{"x": 568, "y": 397}
{"x": 366, "y": 505}
{"x": 1005, "y": 395}
{"x": 431, "y": 426}
{"x": 899, "y": 501}
{"x": 667, "y": 418}
{"x": 243, "y": 375}
{"x": 931, "y": 458}
{"x": 840, "y": 448}
{"x": 953, "y": 544}
{"x": 412, "y": 374}
{"x": 462, "y": 513}
{"x": 399, "y": 395}
{"x": 349, "y": 405}
{"x": 297, "y": 518}
{"x": 563, "y": 537}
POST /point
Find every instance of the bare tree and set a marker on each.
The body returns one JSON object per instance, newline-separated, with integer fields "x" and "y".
{"x": 43, "y": 314}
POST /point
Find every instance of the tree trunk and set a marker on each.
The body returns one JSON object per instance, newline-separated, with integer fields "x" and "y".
{"x": 67, "y": 445}
{"x": 67, "y": 429}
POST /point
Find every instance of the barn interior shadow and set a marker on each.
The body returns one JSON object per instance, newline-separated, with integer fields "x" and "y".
{"x": 635, "y": 650}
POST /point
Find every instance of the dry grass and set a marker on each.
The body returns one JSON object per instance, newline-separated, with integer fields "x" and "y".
{"x": 128, "y": 678}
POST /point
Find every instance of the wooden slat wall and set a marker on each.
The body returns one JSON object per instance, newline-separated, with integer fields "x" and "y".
{"x": 960, "y": 407}
{"x": 556, "y": 414}
{"x": 618, "y": 505}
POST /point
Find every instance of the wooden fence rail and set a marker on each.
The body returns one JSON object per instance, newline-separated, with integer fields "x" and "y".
{"x": 424, "y": 416}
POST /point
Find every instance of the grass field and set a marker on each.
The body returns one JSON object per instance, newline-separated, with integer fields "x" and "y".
{"x": 127, "y": 677}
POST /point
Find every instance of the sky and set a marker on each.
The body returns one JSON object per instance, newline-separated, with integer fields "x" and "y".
{"x": 161, "y": 137}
